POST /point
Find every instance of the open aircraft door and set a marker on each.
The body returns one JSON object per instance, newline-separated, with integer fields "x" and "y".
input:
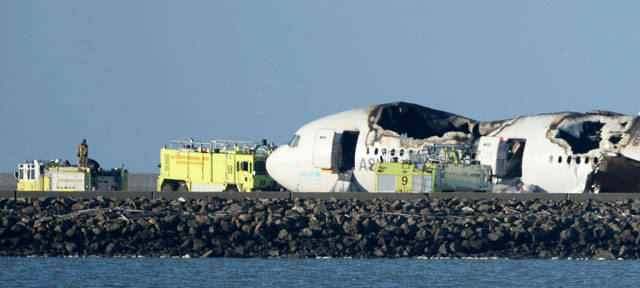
{"x": 323, "y": 148}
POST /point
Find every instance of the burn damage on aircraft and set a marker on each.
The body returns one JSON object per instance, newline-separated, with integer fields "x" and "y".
{"x": 416, "y": 125}
{"x": 615, "y": 174}
{"x": 599, "y": 135}
{"x": 581, "y": 136}
{"x": 601, "y": 131}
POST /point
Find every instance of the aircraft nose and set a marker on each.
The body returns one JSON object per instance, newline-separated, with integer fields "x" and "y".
{"x": 281, "y": 167}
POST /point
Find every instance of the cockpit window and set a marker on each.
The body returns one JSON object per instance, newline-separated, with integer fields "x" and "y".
{"x": 294, "y": 141}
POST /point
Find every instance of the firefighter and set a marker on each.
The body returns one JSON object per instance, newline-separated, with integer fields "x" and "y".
{"x": 83, "y": 153}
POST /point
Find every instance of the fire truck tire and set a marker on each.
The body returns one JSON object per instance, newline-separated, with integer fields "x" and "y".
{"x": 169, "y": 187}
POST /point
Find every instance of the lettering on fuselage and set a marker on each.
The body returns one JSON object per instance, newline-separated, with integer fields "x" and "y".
{"x": 310, "y": 175}
{"x": 367, "y": 164}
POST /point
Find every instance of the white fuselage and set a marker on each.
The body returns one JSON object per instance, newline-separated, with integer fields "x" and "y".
{"x": 312, "y": 163}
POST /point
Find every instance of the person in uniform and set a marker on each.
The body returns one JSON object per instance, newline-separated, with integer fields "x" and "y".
{"x": 83, "y": 153}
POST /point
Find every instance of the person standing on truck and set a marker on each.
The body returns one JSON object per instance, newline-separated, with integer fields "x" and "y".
{"x": 83, "y": 153}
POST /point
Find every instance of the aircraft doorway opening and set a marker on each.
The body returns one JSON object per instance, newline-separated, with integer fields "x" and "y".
{"x": 348, "y": 143}
{"x": 513, "y": 164}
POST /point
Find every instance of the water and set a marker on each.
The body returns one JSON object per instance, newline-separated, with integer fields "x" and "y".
{"x": 226, "y": 272}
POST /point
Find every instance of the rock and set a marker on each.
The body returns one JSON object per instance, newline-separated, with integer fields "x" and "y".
{"x": 467, "y": 209}
{"x": 604, "y": 255}
{"x": 443, "y": 251}
{"x": 207, "y": 254}
{"x": 112, "y": 249}
{"x": 282, "y": 235}
{"x": 496, "y": 236}
{"x": 569, "y": 234}
{"x": 306, "y": 232}
{"x": 350, "y": 227}
{"x": 71, "y": 248}
{"x": 626, "y": 237}
{"x": 245, "y": 218}
{"x": 198, "y": 244}
{"x": 77, "y": 206}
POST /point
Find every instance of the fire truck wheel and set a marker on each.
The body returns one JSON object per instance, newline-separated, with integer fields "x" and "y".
{"x": 168, "y": 187}
{"x": 182, "y": 188}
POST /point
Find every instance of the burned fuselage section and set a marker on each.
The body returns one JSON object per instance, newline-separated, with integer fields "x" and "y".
{"x": 410, "y": 127}
{"x": 556, "y": 152}
{"x": 559, "y": 152}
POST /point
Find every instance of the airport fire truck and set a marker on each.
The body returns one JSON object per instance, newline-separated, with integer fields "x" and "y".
{"x": 219, "y": 165}
{"x": 36, "y": 175}
{"x": 436, "y": 168}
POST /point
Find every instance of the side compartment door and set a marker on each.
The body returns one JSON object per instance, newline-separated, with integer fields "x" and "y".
{"x": 322, "y": 149}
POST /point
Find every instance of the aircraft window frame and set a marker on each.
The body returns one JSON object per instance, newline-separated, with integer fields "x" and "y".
{"x": 559, "y": 159}
{"x": 375, "y": 151}
{"x": 568, "y": 159}
{"x": 577, "y": 159}
{"x": 294, "y": 141}
{"x": 383, "y": 151}
{"x": 595, "y": 160}
{"x": 401, "y": 153}
{"x": 367, "y": 150}
{"x": 586, "y": 160}
{"x": 393, "y": 152}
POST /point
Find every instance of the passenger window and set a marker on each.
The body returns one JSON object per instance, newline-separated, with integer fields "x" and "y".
{"x": 578, "y": 160}
{"x": 568, "y": 159}
{"x": 595, "y": 160}
{"x": 559, "y": 159}
{"x": 384, "y": 151}
{"x": 401, "y": 152}
{"x": 367, "y": 150}
{"x": 586, "y": 160}
{"x": 393, "y": 152}
{"x": 375, "y": 151}
{"x": 551, "y": 159}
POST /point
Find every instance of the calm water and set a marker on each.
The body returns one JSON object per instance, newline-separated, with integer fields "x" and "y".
{"x": 225, "y": 272}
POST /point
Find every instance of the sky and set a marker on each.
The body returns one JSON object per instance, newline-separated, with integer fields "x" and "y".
{"x": 130, "y": 76}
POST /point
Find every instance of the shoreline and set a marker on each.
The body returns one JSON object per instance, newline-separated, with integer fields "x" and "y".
{"x": 308, "y": 228}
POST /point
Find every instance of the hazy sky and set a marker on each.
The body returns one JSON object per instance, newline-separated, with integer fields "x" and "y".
{"x": 129, "y": 76}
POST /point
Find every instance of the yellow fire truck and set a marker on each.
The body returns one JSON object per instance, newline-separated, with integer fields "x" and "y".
{"x": 37, "y": 175}
{"x": 219, "y": 165}
{"x": 436, "y": 168}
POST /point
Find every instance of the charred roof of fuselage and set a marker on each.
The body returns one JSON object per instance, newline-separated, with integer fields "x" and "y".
{"x": 415, "y": 121}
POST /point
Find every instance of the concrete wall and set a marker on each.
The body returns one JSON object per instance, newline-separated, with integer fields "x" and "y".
{"x": 7, "y": 182}
{"x": 325, "y": 196}
{"x": 143, "y": 182}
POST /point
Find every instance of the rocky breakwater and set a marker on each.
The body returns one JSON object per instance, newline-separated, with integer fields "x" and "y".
{"x": 318, "y": 228}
